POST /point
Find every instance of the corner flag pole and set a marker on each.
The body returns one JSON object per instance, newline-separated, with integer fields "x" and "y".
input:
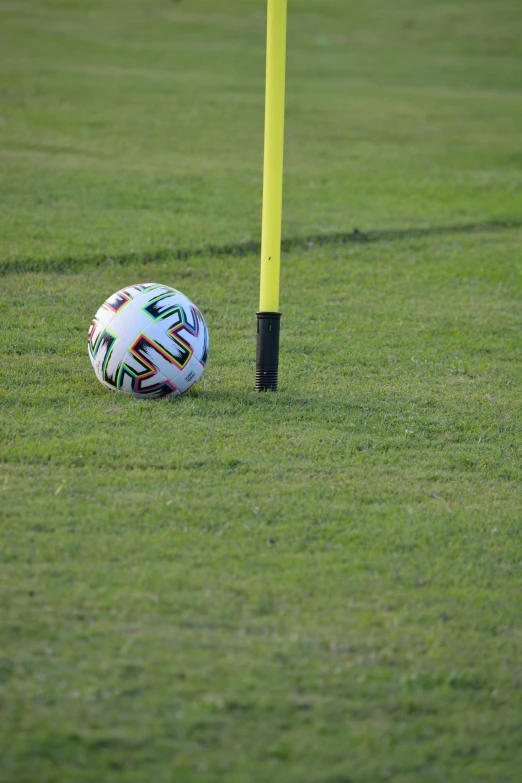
{"x": 268, "y": 317}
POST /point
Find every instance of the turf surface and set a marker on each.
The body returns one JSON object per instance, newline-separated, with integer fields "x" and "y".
{"x": 318, "y": 586}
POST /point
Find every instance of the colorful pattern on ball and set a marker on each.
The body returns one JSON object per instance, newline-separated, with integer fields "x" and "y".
{"x": 148, "y": 340}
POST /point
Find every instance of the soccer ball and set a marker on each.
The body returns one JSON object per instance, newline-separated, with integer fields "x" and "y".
{"x": 148, "y": 340}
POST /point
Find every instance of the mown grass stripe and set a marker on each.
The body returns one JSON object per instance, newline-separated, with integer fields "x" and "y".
{"x": 71, "y": 264}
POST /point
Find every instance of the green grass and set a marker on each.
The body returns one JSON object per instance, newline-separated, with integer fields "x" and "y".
{"x": 318, "y": 586}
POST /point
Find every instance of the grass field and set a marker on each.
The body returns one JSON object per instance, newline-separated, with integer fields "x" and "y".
{"x": 318, "y": 586}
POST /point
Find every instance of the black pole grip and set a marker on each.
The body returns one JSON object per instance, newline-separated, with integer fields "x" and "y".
{"x": 267, "y": 357}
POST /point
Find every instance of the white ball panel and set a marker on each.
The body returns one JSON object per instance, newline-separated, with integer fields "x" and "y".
{"x": 189, "y": 375}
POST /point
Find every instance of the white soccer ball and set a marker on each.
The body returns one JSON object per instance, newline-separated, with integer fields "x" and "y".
{"x": 148, "y": 340}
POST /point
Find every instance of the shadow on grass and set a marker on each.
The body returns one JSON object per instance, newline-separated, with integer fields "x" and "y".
{"x": 232, "y": 402}
{"x": 70, "y": 264}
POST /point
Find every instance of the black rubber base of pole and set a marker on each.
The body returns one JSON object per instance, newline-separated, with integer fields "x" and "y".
{"x": 267, "y": 357}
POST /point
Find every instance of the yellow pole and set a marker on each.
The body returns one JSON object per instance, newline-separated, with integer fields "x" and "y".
{"x": 273, "y": 156}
